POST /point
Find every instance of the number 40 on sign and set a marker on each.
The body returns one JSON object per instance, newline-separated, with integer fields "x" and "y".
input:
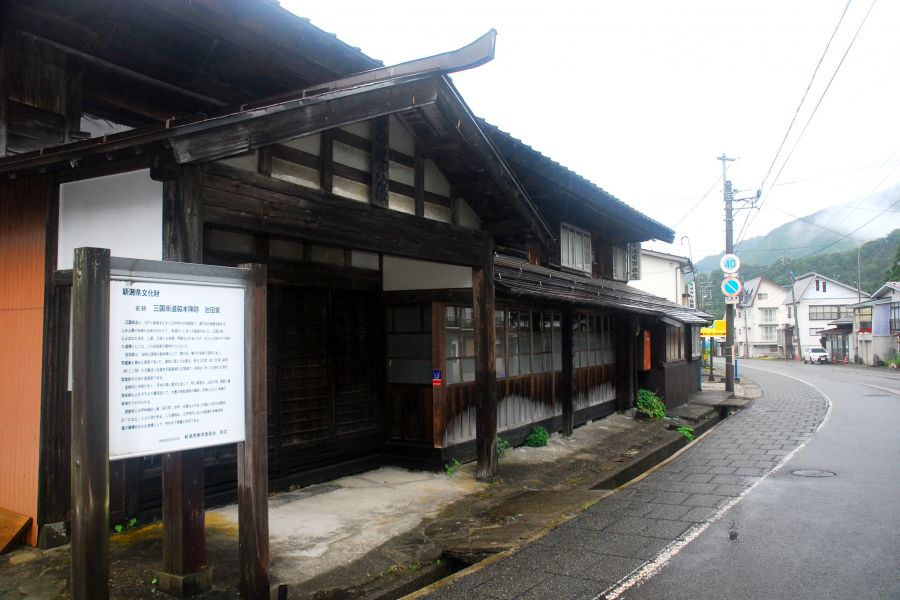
{"x": 730, "y": 263}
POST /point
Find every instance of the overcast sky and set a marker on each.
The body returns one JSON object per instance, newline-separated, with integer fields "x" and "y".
{"x": 641, "y": 96}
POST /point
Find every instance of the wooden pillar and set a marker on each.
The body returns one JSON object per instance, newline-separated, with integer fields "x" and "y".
{"x": 485, "y": 366}
{"x": 380, "y": 161}
{"x": 252, "y": 453}
{"x": 90, "y": 433}
{"x": 185, "y": 572}
{"x": 454, "y": 209}
{"x": 419, "y": 184}
{"x": 567, "y": 377}
{"x": 626, "y": 328}
{"x": 264, "y": 161}
{"x": 183, "y": 216}
{"x": 326, "y": 155}
{"x": 438, "y": 356}
{"x": 5, "y": 52}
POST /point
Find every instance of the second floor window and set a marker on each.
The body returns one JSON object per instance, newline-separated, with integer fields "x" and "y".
{"x": 674, "y": 343}
{"x": 768, "y": 315}
{"x": 459, "y": 331}
{"x": 575, "y": 248}
{"x": 620, "y": 264}
{"x": 826, "y": 311}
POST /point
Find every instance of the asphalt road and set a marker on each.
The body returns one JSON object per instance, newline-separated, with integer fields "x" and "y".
{"x": 802, "y": 537}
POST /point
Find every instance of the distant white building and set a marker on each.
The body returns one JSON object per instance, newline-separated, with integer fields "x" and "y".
{"x": 759, "y": 318}
{"x": 816, "y": 301}
{"x": 876, "y": 325}
{"x": 663, "y": 275}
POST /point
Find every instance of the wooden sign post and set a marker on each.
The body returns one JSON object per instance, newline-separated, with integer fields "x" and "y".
{"x": 167, "y": 358}
{"x": 90, "y": 431}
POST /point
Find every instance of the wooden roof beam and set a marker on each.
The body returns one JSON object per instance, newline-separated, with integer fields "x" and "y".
{"x": 286, "y": 40}
{"x": 458, "y": 113}
{"x": 247, "y": 130}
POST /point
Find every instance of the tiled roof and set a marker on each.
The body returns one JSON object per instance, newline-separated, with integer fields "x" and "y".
{"x": 587, "y": 189}
{"x": 515, "y": 277}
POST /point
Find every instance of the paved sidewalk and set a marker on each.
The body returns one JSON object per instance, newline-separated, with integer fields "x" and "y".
{"x": 587, "y": 556}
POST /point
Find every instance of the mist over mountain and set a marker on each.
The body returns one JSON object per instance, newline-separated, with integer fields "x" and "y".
{"x": 871, "y": 264}
{"x": 819, "y": 230}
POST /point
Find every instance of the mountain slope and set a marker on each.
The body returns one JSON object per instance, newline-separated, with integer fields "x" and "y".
{"x": 876, "y": 258}
{"x": 803, "y": 236}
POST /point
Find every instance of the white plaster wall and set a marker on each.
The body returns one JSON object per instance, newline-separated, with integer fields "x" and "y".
{"x": 248, "y": 161}
{"x": 401, "y": 139}
{"x": 660, "y": 277}
{"x": 758, "y": 346}
{"x": 435, "y": 182}
{"x": 308, "y": 143}
{"x": 409, "y": 274}
{"x": 467, "y": 216}
{"x": 121, "y": 212}
{"x": 834, "y": 294}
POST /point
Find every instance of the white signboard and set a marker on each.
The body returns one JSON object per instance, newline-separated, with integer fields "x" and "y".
{"x": 732, "y": 299}
{"x": 176, "y": 366}
{"x": 730, "y": 263}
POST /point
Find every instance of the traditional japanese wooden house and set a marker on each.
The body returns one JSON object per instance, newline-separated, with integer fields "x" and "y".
{"x": 432, "y": 280}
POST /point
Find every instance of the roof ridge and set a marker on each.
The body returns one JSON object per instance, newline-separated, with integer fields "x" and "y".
{"x": 569, "y": 171}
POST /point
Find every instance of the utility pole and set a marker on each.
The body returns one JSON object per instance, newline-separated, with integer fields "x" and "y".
{"x": 746, "y": 331}
{"x": 693, "y": 271}
{"x": 729, "y": 249}
{"x": 798, "y": 351}
{"x": 858, "y": 284}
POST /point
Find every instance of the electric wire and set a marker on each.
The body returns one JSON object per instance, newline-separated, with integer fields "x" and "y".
{"x": 702, "y": 198}
{"x": 892, "y": 205}
{"x": 812, "y": 114}
{"x": 854, "y": 204}
{"x": 805, "y": 94}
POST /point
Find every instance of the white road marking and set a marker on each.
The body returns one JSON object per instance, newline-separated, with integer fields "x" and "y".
{"x": 879, "y": 387}
{"x": 653, "y": 567}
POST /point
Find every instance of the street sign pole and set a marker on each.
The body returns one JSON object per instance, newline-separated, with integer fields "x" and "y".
{"x": 729, "y": 308}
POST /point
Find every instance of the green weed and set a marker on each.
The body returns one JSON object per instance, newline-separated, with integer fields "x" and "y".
{"x": 650, "y": 404}
{"x": 127, "y": 525}
{"x": 538, "y": 437}
{"x": 687, "y": 432}
{"x": 452, "y": 467}
{"x": 502, "y": 447}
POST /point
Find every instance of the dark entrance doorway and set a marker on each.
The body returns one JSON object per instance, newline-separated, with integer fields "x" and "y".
{"x": 325, "y": 371}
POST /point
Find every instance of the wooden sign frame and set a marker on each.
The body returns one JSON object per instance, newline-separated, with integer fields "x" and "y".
{"x": 90, "y": 420}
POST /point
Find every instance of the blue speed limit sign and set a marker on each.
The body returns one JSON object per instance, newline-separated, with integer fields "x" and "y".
{"x": 731, "y": 286}
{"x": 730, "y": 263}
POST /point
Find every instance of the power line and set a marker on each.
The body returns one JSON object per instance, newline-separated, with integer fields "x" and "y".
{"x": 854, "y": 205}
{"x": 814, "y": 111}
{"x": 813, "y": 223}
{"x": 805, "y": 93}
{"x": 821, "y": 97}
{"x": 691, "y": 209}
{"x": 897, "y": 201}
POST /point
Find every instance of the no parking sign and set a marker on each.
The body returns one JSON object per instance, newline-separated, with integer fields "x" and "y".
{"x": 731, "y": 286}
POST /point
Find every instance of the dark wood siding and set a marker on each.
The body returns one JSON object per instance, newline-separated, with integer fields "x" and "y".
{"x": 325, "y": 398}
{"x": 357, "y": 341}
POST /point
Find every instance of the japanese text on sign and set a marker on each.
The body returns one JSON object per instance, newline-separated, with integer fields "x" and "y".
{"x": 176, "y": 367}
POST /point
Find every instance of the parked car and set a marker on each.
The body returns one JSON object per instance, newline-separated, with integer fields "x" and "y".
{"x": 816, "y": 355}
